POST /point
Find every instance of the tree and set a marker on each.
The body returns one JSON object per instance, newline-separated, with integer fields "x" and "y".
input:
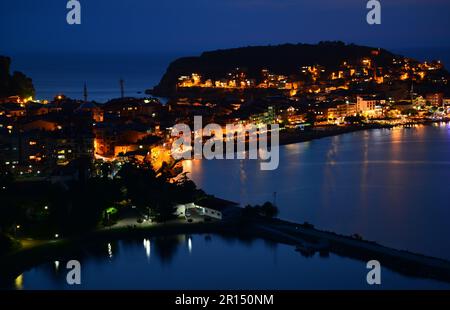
{"x": 141, "y": 185}
{"x": 21, "y": 85}
{"x": 311, "y": 118}
{"x": 81, "y": 208}
{"x": 165, "y": 208}
{"x": 17, "y": 84}
{"x": 7, "y": 243}
{"x": 6, "y": 177}
{"x": 354, "y": 119}
{"x": 147, "y": 191}
{"x": 9, "y": 214}
{"x": 410, "y": 112}
{"x": 105, "y": 169}
{"x": 186, "y": 191}
{"x": 269, "y": 210}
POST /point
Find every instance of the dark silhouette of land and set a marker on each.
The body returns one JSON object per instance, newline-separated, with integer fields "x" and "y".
{"x": 15, "y": 84}
{"x": 286, "y": 59}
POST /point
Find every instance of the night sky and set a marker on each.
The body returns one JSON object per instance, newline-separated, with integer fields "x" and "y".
{"x": 196, "y": 25}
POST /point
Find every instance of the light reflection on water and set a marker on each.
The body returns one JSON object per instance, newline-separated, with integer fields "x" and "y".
{"x": 147, "y": 247}
{"x": 18, "y": 282}
{"x": 190, "y": 245}
{"x": 387, "y": 185}
{"x": 217, "y": 263}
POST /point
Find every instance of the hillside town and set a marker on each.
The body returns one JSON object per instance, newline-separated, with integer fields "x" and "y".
{"x": 48, "y": 139}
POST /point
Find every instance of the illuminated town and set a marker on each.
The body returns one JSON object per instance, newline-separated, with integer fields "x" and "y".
{"x": 43, "y": 139}
{"x": 100, "y": 167}
{"x": 208, "y": 153}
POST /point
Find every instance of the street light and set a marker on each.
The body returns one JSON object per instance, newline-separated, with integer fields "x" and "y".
{"x": 16, "y": 228}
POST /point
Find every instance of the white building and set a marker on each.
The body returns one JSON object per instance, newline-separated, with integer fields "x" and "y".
{"x": 197, "y": 212}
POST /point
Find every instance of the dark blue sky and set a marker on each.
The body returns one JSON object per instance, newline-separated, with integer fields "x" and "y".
{"x": 196, "y": 25}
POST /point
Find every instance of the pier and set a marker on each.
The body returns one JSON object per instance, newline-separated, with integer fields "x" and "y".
{"x": 309, "y": 241}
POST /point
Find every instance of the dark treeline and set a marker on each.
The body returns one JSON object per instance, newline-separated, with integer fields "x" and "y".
{"x": 15, "y": 84}
{"x": 43, "y": 209}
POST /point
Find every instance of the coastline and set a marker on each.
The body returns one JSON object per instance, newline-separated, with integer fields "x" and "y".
{"x": 16, "y": 262}
{"x": 292, "y": 139}
{"x": 303, "y": 237}
{"x": 295, "y": 137}
{"x": 287, "y": 138}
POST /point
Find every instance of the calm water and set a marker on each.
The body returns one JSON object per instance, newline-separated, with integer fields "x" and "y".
{"x": 388, "y": 185}
{"x": 210, "y": 262}
{"x": 67, "y": 73}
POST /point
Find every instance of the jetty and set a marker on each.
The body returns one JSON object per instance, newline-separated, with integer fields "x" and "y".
{"x": 309, "y": 240}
